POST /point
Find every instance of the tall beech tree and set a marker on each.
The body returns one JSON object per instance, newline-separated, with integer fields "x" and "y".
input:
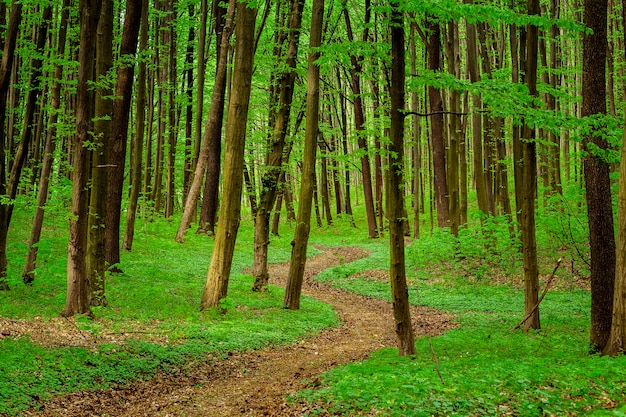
{"x": 211, "y": 145}
{"x": 78, "y": 286}
{"x": 395, "y": 190}
{"x": 596, "y": 171}
{"x": 356, "y": 68}
{"x": 122, "y": 102}
{"x": 527, "y": 183}
{"x": 300, "y": 240}
{"x": 216, "y": 286}
{"x": 274, "y": 163}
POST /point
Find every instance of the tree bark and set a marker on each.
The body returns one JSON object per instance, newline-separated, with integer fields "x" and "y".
{"x": 209, "y": 153}
{"x": 395, "y": 200}
{"x": 100, "y": 156}
{"x": 301, "y": 235}
{"x": 77, "y": 299}
{"x": 359, "y": 123}
{"x": 528, "y": 192}
{"x": 274, "y": 163}
{"x": 221, "y": 261}
{"x": 596, "y": 171}
{"x": 436, "y": 125}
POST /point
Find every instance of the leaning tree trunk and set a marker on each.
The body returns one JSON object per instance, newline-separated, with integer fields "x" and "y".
{"x": 274, "y": 166}
{"x": 395, "y": 200}
{"x": 221, "y": 261}
{"x": 301, "y": 235}
{"x": 209, "y": 153}
{"x": 77, "y": 299}
{"x": 596, "y": 171}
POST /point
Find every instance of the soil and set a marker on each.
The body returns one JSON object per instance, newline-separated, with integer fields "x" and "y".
{"x": 258, "y": 383}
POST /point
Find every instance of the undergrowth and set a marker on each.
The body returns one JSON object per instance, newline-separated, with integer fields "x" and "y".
{"x": 158, "y": 294}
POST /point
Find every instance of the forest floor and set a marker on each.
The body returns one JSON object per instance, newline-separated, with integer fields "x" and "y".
{"x": 260, "y": 382}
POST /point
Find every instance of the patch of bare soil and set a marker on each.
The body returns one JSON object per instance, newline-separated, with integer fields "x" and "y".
{"x": 257, "y": 383}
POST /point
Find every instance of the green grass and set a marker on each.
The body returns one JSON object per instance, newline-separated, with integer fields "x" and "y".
{"x": 159, "y": 292}
{"x": 487, "y": 369}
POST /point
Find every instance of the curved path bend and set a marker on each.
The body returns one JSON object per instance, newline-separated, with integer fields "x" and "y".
{"x": 257, "y": 383}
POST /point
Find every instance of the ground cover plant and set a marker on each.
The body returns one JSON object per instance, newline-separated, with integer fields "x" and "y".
{"x": 152, "y": 323}
{"x": 482, "y": 367}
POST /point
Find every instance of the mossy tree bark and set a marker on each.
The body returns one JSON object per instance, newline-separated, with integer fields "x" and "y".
{"x": 395, "y": 191}
{"x": 301, "y": 235}
{"x": 274, "y": 163}
{"x": 78, "y": 286}
{"x": 216, "y": 286}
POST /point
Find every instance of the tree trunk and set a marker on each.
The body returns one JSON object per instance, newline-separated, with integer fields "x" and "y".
{"x": 359, "y": 124}
{"x": 274, "y": 163}
{"x": 436, "y": 125}
{"x": 140, "y": 129}
{"x": 596, "y": 170}
{"x": 77, "y": 299}
{"x": 100, "y": 156}
{"x": 528, "y": 192}
{"x": 454, "y": 131}
{"x": 209, "y": 153}
{"x": 221, "y": 261}
{"x": 395, "y": 200}
{"x": 301, "y": 235}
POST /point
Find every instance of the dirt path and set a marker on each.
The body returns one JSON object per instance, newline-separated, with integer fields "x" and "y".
{"x": 256, "y": 383}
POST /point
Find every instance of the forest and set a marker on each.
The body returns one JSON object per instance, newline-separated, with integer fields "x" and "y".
{"x": 324, "y": 207}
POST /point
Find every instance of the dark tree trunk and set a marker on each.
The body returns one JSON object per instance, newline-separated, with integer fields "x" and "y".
{"x": 395, "y": 200}
{"x": 596, "y": 170}
{"x": 77, "y": 300}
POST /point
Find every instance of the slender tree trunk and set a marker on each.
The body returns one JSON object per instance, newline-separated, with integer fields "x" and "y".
{"x": 221, "y": 261}
{"x": 28, "y": 275}
{"x": 395, "y": 200}
{"x": 212, "y": 136}
{"x": 274, "y": 163}
{"x": 454, "y": 130}
{"x": 301, "y": 235}
{"x": 528, "y": 192}
{"x": 100, "y": 156}
{"x": 596, "y": 171}
{"x": 359, "y": 122}
{"x": 140, "y": 129}
{"x": 77, "y": 299}
{"x": 436, "y": 123}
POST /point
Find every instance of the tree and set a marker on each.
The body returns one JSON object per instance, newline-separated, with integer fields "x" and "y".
{"x": 395, "y": 191}
{"x": 78, "y": 286}
{"x": 221, "y": 260}
{"x": 596, "y": 171}
{"x": 122, "y": 102}
{"x": 274, "y": 168}
{"x": 303, "y": 221}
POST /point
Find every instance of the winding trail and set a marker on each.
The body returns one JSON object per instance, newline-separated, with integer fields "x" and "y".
{"x": 257, "y": 383}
